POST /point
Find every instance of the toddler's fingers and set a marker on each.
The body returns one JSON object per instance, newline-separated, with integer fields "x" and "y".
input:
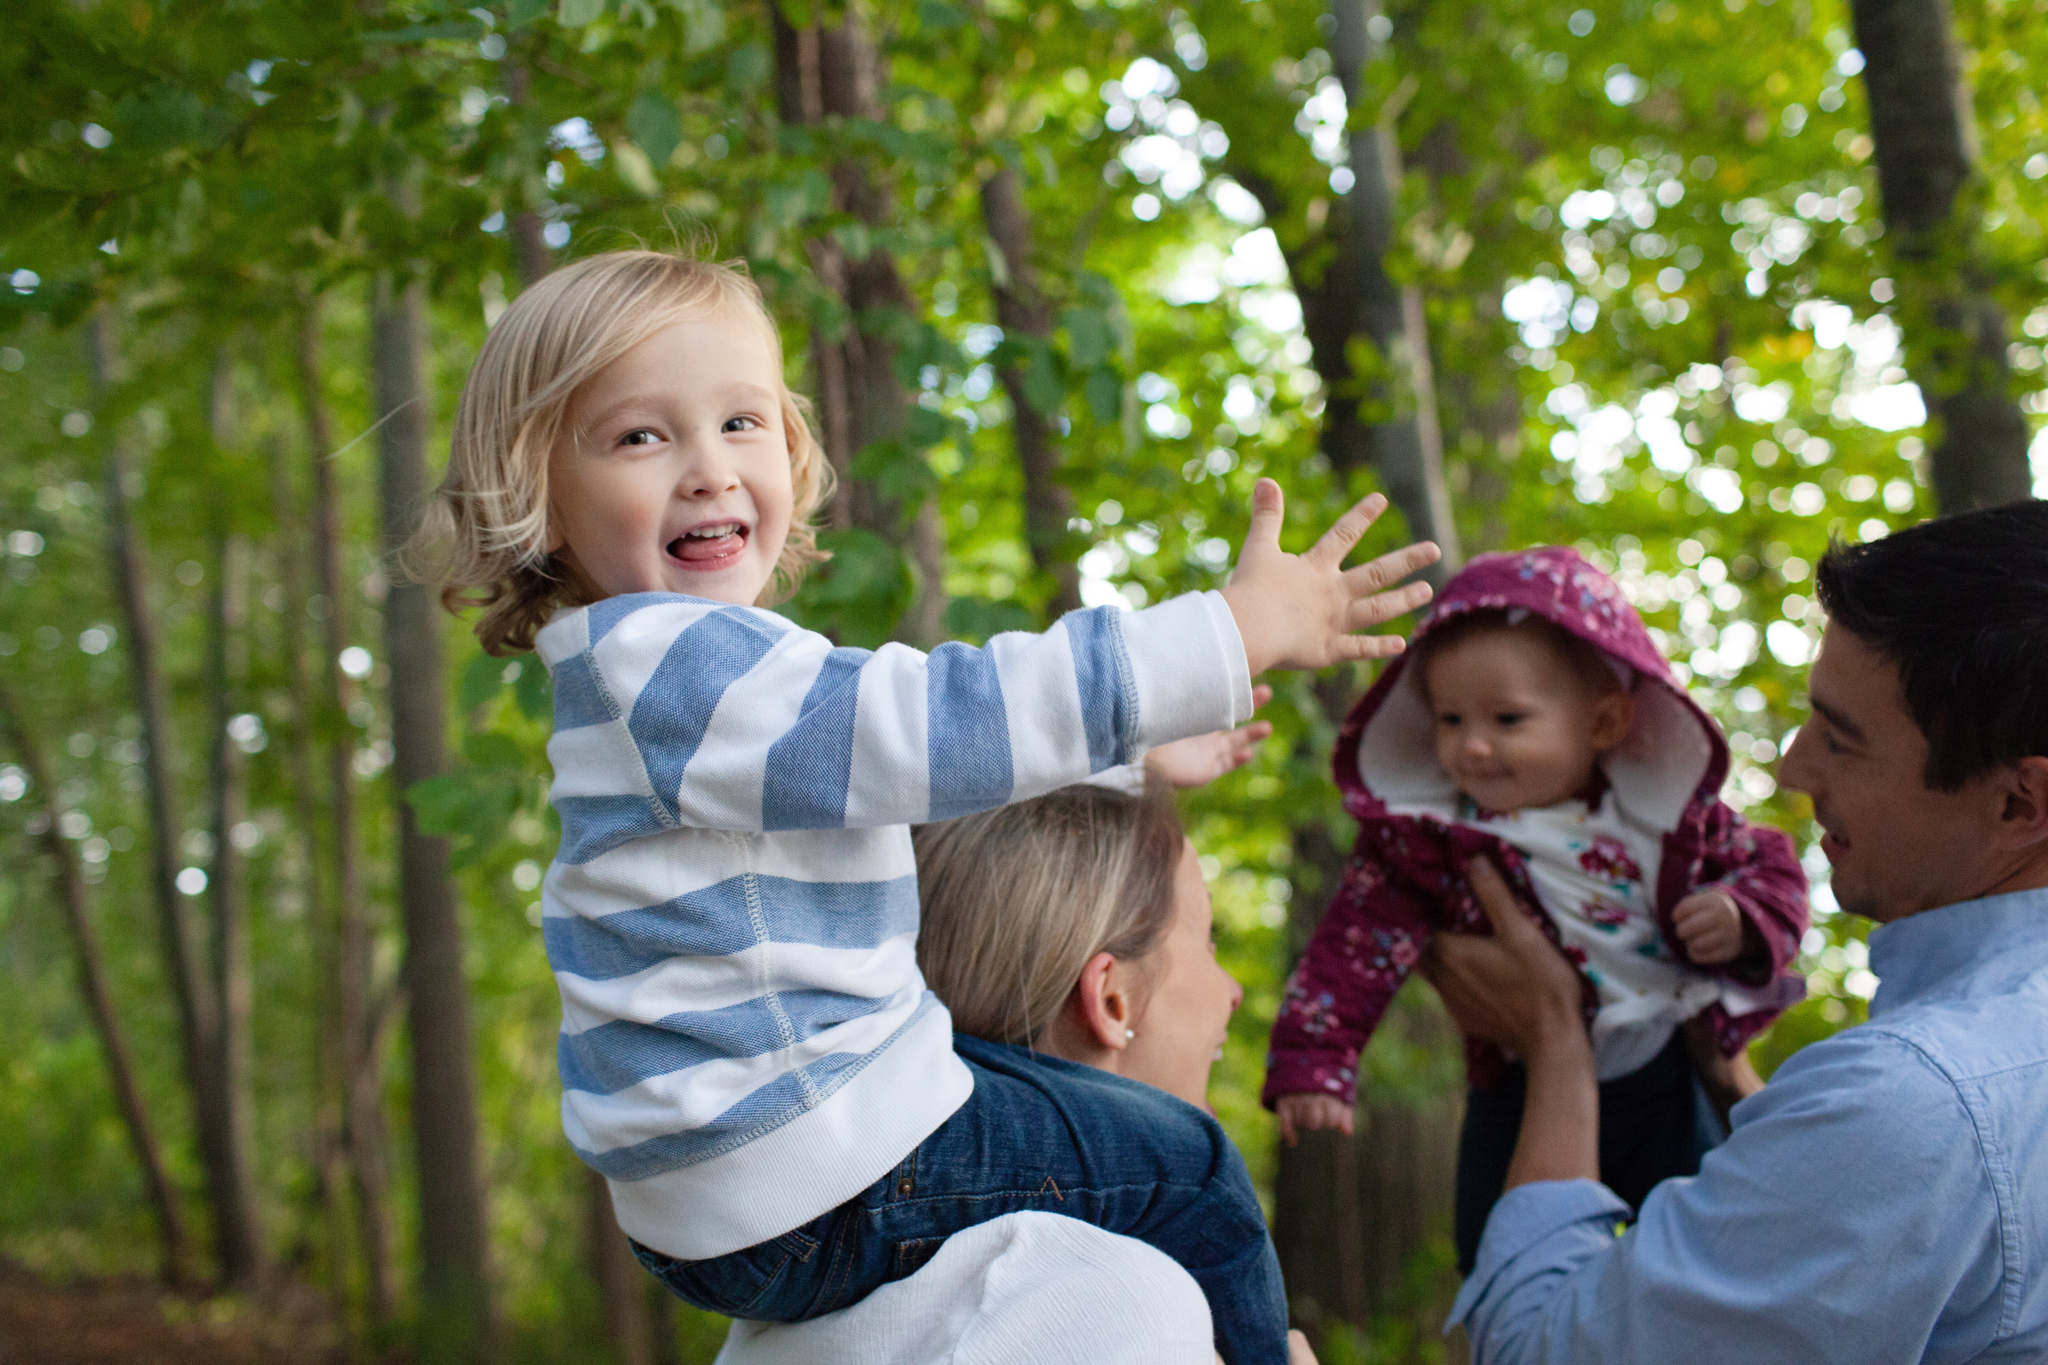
{"x": 1286, "y": 1118}
{"x": 1347, "y": 530}
{"x": 1261, "y": 694}
{"x": 1392, "y": 567}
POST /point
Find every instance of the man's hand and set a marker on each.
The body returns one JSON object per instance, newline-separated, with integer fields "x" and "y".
{"x": 1300, "y": 611}
{"x": 1518, "y": 990}
{"x": 1515, "y": 988}
{"x": 1299, "y": 1114}
{"x": 1200, "y": 759}
{"x": 1709, "y": 924}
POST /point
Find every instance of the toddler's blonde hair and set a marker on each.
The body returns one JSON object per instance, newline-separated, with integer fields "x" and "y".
{"x": 483, "y": 538}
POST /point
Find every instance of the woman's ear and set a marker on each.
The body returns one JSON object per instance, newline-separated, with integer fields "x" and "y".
{"x": 1102, "y": 1001}
{"x": 1613, "y": 714}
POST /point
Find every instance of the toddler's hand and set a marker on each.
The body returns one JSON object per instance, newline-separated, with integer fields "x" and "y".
{"x": 1299, "y": 611}
{"x": 1300, "y": 1113}
{"x": 1200, "y": 759}
{"x": 1710, "y": 926}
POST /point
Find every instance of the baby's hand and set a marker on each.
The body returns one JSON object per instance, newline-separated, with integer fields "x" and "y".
{"x": 1300, "y": 1113}
{"x": 1710, "y": 926}
{"x": 1299, "y": 611}
{"x": 1200, "y": 759}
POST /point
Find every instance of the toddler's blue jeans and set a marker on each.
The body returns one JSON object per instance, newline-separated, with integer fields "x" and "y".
{"x": 1043, "y": 1134}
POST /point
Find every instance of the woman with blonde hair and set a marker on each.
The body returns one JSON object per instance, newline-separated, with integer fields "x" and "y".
{"x": 1069, "y": 936}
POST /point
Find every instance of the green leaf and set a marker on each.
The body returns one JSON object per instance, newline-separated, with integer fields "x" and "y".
{"x": 655, "y": 123}
{"x": 1089, "y": 338}
{"x": 978, "y": 618}
{"x": 525, "y": 12}
{"x": 703, "y": 24}
{"x": 1043, "y": 387}
{"x": 940, "y": 16}
{"x": 747, "y": 68}
{"x": 494, "y": 749}
{"x": 635, "y": 169}
{"x": 420, "y": 33}
{"x": 534, "y": 689}
{"x": 860, "y": 593}
{"x": 482, "y": 676}
{"x": 1105, "y": 394}
{"x": 577, "y": 13}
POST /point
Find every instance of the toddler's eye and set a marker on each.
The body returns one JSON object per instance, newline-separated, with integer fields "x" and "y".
{"x": 743, "y": 423}
{"x": 639, "y": 436}
{"x": 1509, "y": 718}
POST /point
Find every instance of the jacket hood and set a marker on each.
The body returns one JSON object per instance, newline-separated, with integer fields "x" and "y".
{"x": 1673, "y": 754}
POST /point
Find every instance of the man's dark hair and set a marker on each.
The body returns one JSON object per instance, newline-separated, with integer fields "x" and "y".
{"x": 1960, "y": 605}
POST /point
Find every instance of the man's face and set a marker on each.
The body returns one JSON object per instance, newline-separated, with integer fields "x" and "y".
{"x": 1897, "y": 846}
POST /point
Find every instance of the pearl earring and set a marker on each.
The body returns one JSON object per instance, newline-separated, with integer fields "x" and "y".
{"x": 1129, "y": 1034}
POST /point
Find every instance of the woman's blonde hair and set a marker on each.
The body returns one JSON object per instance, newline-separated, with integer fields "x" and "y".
{"x": 483, "y": 538}
{"x": 1018, "y": 899}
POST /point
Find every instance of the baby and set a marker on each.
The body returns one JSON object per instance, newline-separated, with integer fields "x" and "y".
{"x": 748, "y": 1049}
{"x": 1535, "y": 722}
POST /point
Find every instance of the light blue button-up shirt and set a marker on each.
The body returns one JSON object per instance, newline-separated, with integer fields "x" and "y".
{"x": 1884, "y": 1198}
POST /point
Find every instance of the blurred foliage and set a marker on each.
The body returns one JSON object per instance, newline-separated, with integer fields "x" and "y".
{"x": 1646, "y": 232}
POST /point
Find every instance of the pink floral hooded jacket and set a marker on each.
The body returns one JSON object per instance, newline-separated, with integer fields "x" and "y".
{"x": 1405, "y": 880}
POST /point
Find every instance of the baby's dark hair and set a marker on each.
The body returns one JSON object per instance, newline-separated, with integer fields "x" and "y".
{"x": 1587, "y": 661}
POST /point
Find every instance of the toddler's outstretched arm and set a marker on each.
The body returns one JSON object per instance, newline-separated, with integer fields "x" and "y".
{"x": 1301, "y": 611}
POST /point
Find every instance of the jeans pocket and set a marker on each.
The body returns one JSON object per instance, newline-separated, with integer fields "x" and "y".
{"x": 740, "y": 1284}
{"x": 912, "y": 1253}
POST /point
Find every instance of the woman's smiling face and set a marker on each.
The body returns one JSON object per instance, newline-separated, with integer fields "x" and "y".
{"x": 1188, "y": 999}
{"x": 673, "y": 470}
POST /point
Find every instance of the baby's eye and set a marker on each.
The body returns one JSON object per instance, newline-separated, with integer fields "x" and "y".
{"x": 743, "y": 423}
{"x": 1510, "y": 718}
{"x": 639, "y": 436}
{"x": 1450, "y": 718}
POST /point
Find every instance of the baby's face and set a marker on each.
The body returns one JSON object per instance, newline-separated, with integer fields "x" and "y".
{"x": 673, "y": 473}
{"x": 1516, "y": 726}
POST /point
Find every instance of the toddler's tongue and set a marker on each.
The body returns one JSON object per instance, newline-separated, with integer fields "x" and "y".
{"x": 694, "y": 549}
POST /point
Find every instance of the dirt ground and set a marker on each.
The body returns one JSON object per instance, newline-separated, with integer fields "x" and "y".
{"x": 137, "y": 1322}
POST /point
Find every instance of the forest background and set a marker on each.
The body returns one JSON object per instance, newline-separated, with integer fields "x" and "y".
{"x": 1694, "y": 286}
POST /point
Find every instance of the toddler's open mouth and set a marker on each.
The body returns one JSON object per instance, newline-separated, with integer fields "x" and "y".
{"x": 714, "y": 545}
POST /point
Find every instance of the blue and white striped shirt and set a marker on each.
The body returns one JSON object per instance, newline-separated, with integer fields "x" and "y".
{"x": 732, "y": 919}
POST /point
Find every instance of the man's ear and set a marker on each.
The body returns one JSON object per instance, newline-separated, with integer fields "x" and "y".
{"x": 1613, "y": 714}
{"x": 2023, "y": 794}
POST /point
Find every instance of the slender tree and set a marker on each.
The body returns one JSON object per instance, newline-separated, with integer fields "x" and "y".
{"x": 453, "y": 1250}
{"x": 238, "y": 1230}
{"x": 1022, "y": 312}
{"x": 184, "y": 943}
{"x": 352, "y": 1034}
{"x": 1921, "y": 121}
{"x": 835, "y": 72}
{"x": 174, "y": 1243}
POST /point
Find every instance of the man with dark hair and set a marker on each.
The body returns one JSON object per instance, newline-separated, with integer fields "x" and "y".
{"x": 1885, "y": 1197}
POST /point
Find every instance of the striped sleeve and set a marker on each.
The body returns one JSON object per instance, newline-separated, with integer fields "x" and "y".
{"x": 673, "y": 712}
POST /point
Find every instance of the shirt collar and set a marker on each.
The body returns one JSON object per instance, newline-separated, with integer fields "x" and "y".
{"x": 1914, "y": 956}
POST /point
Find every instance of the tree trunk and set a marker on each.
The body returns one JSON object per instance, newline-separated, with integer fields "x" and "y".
{"x": 835, "y": 72}
{"x": 329, "y": 1153}
{"x": 455, "y": 1307}
{"x": 1406, "y": 447}
{"x": 524, "y": 226}
{"x": 183, "y": 942}
{"x": 175, "y": 1247}
{"x": 351, "y": 1043}
{"x": 238, "y": 1236}
{"x": 621, "y": 1283}
{"x": 1022, "y": 311}
{"x": 1921, "y": 121}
